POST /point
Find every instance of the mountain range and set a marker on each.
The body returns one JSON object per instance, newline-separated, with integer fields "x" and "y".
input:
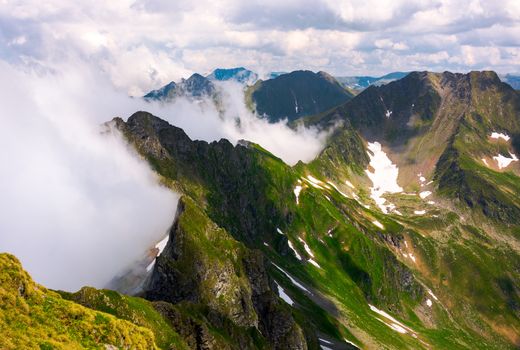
{"x": 403, "y": 233}
{"x": 358, "y": 83}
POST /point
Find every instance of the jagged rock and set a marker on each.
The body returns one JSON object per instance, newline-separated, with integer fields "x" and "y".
{"x": 276, "y": 322}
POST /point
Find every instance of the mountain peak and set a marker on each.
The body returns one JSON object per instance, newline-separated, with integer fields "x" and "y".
{"x": 238, "y": 74}
{"x": 297, "y": 94}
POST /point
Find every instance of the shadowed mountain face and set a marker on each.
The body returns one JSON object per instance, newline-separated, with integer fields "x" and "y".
{"x": 297, "y": 94}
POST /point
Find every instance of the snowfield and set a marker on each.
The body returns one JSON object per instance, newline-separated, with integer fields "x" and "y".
{"x": 283, "y": 295}
{"x": 503, "y": 162}
{"x": 383, "y": 177}
{"x": 161, "y": 245}
{"x": 497, "y": 135}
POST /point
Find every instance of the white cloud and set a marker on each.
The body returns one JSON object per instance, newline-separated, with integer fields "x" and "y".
{"x": 203, "y": 122}
{"x": 147, "y": 43}
{"x": 59, "y": 177}
{"x": 77, "y": 207}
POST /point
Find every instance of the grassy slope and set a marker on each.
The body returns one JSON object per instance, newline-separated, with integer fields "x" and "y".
{"x": 362, "y": 264}
{"x": 133, "y": 309}
{"x": 33, "y": 317}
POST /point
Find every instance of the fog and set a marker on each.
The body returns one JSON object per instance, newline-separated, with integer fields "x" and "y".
{"x": 79, "y": 206}
{"x": 202, "y": 121}
{"x": 76, "y": 206}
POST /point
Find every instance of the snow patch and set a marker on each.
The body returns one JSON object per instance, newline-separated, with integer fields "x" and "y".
{"x": 425, "y": 194}
{"x": 431, "y": 202}
{"x": 388, "y": 113}
{"x": 349, "y": 342}
{"x": 279, "y": 231}
{"x": 497, "y": 135}
{"x": 384, "y": 176}
{"x": 283, "y": 295}
{"x": 312, "y": 261}
{"x": 432, "y": 295}
{"x": 429, "y": 302}
{"x": 150, "y": 266}
{"x": 297, "y": 191}
{"x": 337, "y": 189}
{"x": 295, "y": 282}
{"x": 485, "y": 161}
{"x": 294, "y": 250}
{"x": 395, "y": 325}
{"x": 307, "y": 249}
{"x": 378, "y": 224}
{"x": 503, "y": 162}
{"x": 349, "y": 184}
{"x": 267, "y": 245}
{"x": 160, "y": 246}
{"x": 398, "y": 328}
{"x": 419, "y": 212}
{"x": 314, "y": 182}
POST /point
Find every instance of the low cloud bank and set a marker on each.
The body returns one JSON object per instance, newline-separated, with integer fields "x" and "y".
{"x": 78, "y": 205}
{"x": 201, "y": 120}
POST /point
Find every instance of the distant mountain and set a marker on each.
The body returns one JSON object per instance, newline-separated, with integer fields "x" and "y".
{"x": 362, "y": 82}
{"x": 296, "y": 94}
{"x": 513, "y": 80}
{"x": 162, "y": 93}
{"x": 240, "y": 74}
{"x": 273, "y": 75}
{"x": 195, "y": 87}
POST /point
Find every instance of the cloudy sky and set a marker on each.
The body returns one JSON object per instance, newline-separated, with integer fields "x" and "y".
{"x": 145, "y": 43}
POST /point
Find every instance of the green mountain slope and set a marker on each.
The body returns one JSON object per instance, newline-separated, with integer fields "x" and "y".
{"x": 425, "y": 115}
{"x": 32, "y": 317}
{"x": 338, "y": 261}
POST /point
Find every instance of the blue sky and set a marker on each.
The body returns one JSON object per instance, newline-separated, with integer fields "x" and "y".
{"x": 145, "y": 43}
